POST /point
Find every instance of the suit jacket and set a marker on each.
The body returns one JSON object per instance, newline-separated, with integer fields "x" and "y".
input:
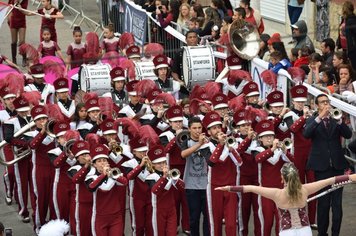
{"x": 326, "y": 149}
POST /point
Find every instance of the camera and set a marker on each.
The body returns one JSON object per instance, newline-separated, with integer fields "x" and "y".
{"x": 8, "y": 232}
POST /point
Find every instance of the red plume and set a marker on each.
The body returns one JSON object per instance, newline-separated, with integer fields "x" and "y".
{"x": 235, "y": 75}
{"x": 92, "y": 139}
{"x": 30, "y": 52}
{"x": 297, "y": 74}
{"x": 55, "y": 68}
{"x": 237, "y": 103}
{"x": 212, "y": 88}
{"x": 149, "y": 135}
{"x": 253, "y": 113}
{"x": 270, "y": 78}
{"x": 153, "y": 49}
{"x": 112, "y": 58}
{"x": 126, "y": 40}
{"x": 106, "y": 106}
{"x": 92, "y": 43}
{"x": 89, "y": 96}
{"x": 196, "y": 91}
{"x": 130, "y": 127}
{"x": 194, "y": 106}
{"x": 72, "y": 134}
{"x": 15, "y": 82}
{"x": 90, "y": 58}
{"x": 165, "y": 98}
{"x": 33, "y": 97}
{"x": 54, "y": 112}
{"x": 130, "y": 67}
{"x": 144, "y": 87}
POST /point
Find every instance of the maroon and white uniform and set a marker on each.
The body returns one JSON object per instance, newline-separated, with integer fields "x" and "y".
{"x": 76, "y": 51}
{"x": 49, "y": 23}
{"x": 46, "y": 90}
{"x": 18, "y": 19}
{"x": 110, "y": 45}
{"x": 48, "y": 48}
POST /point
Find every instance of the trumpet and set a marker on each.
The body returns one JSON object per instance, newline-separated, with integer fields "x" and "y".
{"x": 68, "y": 146}
{"x": 117, "y": 149}
{"x": 287, "y": 143}
{"x": 336, "y": 113}
{"x": 233, "y": 127}
{"x": 173, "y": 174}
{"x": 149, "y": 165}
{"x": 114, "y": 173}
{"x": 49, "y": 126}
{"x": 230, "y": 141}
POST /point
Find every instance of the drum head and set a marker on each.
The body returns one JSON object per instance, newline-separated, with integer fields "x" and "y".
{"x": 95, "y": 78}
{"x": 145, "y": 70}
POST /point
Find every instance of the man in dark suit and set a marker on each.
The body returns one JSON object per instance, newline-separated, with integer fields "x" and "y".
{"x": 326, "y": 159}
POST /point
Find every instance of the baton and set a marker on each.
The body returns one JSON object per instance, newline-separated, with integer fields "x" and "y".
{"x": 333, "y": 188}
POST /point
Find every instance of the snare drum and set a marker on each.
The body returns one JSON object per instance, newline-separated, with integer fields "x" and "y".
{"x": 95, "y": 78}
{"x": 198, "y": 65}
{"x": 144, "y": 70}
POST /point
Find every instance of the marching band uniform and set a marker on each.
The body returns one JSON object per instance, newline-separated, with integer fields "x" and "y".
{"x": 46, "y": 90}
{"x": 175, "y": 161}
{"x": 269, "y": 166}
{"x": 133, "y": 53}
{"x": 107, "y": 209}
{"x": 118, "y": 97}
{"x": 83, "y": 198}
{"x": 23, "y": 167}
{"x": 67, "y": 106}
{"x": 248, "y": 176}
{"x": 48, "y": 48}
{"x": 90, "y": 126}
{"x": 251, "y": 89}
{"x": 63, "y": 187}
{"x": 110, "y": 45}
{"x": 157, "y": 123}
{"x": 42, "y": 171}
{"x": 76, "y": 52}
{"x": 139, "y": 192}
{"x": 301, "y": 145}
{"x": 49, "y": 22}
{"x": 164, "y": 217}
{"x": 6, "y": 152}
{"x": 166, "y": 84}
{"x": 222, "y": 171}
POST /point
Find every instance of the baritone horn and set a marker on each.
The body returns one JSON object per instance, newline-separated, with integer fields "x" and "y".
{"x": 174, "y": 174}
{"x": 336, "y": 113}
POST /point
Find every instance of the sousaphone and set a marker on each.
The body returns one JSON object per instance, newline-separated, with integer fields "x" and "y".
{"x": 244, "y": 39}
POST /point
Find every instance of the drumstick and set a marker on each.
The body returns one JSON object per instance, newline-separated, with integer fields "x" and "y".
{"x": 28, "y": 11}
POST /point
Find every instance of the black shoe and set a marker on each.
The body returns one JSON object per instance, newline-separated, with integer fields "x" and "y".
{"x": 26, "y": 219}
{"x": 8, "y": 200}
{"x": 314, "y": 226}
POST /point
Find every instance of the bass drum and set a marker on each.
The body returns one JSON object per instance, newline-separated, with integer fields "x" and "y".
{"x": 95, "y": 78}
{"x": 144, "y": 70}
{"x": 198, "y": 65}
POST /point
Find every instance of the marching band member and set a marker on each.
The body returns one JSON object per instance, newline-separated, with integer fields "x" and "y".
{"x": 133, "y": 53}
{"x": 235, "y": 82}
{"x": 162, "y": 182}
{"x": 103, "y": 181}
{"x": 276, "y": 103}
{"x": 252, "y": 93}
{"x": 23, "y": 167}
{"x": 80, "y": 117}
{"x": 158, "y": 124}
{"x": 270, "y": 156}
{"x": 110, "y": 42}
{"x": 301, "y": 145}
{"x": 64, "y": 102}
{"x": 7, "y": 99}
{"x": 42, "y": 170}
{"x": 222, "y": 169}
{"x": 134, "y": 108}
{"x": 63, "y": 187}
{"x": 93, "y": 114}
{"x": 174, "y": 116}
{"x": 196, "y": 152}
{"x": 118, "y": 93}
{"x": 220, "y": 106}
{"x": 151, "y": 50}
{"x": 83, "y": 198}
{"x": 186, "y": 112}
{"x": 46, "y": 90}
{"x": 137, "y": 169}
{"x": 75, "y": 51}
{"x": 162, "y": 72}
{"x": 248, "y": 172}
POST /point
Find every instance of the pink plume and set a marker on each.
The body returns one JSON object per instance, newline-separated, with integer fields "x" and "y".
{"x": 153, "y": 49}
{"x": 235, "y": 75}
{"x": 89, "y": 96}
{"x": 106, "y": 106}
{"x": 72, "y": 134}
{"x": 130, "y": 67}
{"x": 54, "y": 112}
{"x": 149, "y": 135}
{"x": 15, "y": 82}
{"x": 131, "y": 127}
{"x": 194, "y": 106}
{"x": 30, "y": 52}
{"x": 270, "y": 78}
{"x": 92, "y": 43}
{"x": 297, "y": 74}
{"x": 165, "y": 98}
{"x": 253, "y": 113}
{"x": 145, "y": 86}
{"x": 196, "y": 91}
{"x": 92, "y": 139}
{"x": 126, "y": 39}
{"x": 237, "y": 103}
{"x": 212, "y": 88}
{"x": 33, "y": 97}
{"x": 112, "y": 58}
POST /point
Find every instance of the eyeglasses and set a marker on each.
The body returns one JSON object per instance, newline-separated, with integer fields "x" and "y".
{"x": 324, "y": 102}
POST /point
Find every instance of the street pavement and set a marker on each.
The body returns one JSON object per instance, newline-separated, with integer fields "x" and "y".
{"x": 8, "y": 214}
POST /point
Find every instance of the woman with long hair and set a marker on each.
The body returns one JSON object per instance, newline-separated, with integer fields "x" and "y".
{"x": 292, "y": 199}
{"x": 184, "y": 16}
{"x": 211, "y": 18}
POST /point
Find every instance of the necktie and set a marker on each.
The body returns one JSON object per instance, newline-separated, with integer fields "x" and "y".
{"x": 326, "y": 122}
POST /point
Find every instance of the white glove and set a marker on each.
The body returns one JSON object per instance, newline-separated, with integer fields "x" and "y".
{"x": 47, "y": 16}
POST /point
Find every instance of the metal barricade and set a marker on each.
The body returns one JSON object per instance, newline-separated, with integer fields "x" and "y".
{"x": 91, "y": 23}
{"x": 71, "y": 11}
